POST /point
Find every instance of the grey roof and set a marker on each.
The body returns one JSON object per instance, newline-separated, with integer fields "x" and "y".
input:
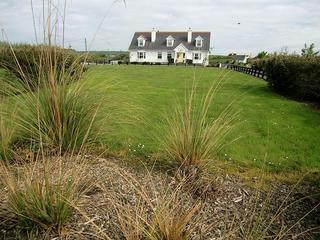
{"x": 240, "y": 57}
{"x": 161, "y": 42}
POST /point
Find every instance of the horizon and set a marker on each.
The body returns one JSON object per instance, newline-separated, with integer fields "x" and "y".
{"x": 235, "y": 28}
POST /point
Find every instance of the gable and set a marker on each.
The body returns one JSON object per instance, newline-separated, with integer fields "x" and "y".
{"x": 181, "y": 48}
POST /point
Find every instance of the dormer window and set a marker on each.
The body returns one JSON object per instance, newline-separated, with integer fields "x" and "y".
{"x": 199, "y": 42}
{"x": 141, "y": 41}
{"x": 170, "y": 41}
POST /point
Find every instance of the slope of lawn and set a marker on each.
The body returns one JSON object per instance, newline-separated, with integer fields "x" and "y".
{"x": 273, "y": 131}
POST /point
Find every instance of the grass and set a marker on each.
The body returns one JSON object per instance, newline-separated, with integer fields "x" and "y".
{"x": 220, "y": 59}
{"x": 276, "y": 133}
{"x": 42, "y": 194}
{"x": 189, "y": 136}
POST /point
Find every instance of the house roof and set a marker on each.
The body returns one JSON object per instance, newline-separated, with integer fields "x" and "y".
{"x": 161, "y": 41}
{"x": 240, "y": 57}
{"x": 141, "y": 37}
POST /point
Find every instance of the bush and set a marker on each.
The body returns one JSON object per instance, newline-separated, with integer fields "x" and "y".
{"x": 293, "y": 76}
{"x": 189, "y": 61}
{"x": 25, "y": 62}
{"x": 170, "y": 60}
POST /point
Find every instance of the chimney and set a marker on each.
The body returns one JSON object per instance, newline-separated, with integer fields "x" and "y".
{"x": 189, "y": 35}
{"x": 153, "y": 35}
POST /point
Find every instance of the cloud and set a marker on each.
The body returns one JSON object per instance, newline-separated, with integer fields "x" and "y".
{"x": 265, "y": 24}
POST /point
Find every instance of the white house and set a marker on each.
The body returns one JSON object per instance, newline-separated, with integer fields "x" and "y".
{"x": 177, "y": 47}
{"x": 241, "y": 58}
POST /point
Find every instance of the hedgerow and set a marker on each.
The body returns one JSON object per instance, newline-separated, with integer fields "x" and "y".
{"x": 294, "y": 76}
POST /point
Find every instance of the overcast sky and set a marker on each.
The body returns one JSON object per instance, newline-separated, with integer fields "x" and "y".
{"x": 265, "y": 24}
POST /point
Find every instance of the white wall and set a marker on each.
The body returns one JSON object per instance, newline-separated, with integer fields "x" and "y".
{"x": 150, "y": 57}
{"x": 204, "y": 57}
{"x": 153, "y": 57}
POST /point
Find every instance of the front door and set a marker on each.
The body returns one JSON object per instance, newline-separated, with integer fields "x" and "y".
{"x": 180, "y": 57}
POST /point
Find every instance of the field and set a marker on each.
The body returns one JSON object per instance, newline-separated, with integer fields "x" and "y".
{"x": 213, "y": 59}
{"x": 271, "y": 131}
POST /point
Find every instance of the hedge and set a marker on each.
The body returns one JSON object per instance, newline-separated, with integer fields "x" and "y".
{"x": 30, "y": 57}
{"x": 294, "y": 76}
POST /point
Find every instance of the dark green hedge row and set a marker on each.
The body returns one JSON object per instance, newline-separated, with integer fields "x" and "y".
{"x": 294, "y": 76}
{"x": 30, "y": 62}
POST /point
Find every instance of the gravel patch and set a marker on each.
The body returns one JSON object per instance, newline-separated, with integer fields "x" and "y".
{"x": 227, "y": 208}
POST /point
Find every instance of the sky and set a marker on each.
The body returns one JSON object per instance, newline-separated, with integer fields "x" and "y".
{"x": 265, "y": 25}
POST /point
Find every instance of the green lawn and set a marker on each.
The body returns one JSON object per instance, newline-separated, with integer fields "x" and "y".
{"x": 281, "y": 133}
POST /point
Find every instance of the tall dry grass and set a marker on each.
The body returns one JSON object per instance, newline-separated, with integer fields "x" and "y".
{"x": 58, "y": 110}
{"x": 42, "y": 194}
{"x": 153, "y": 211}
{"x": 191, "y": 136}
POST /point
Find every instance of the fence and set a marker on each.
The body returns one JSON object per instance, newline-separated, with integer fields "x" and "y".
{"x": 252, "y": 71}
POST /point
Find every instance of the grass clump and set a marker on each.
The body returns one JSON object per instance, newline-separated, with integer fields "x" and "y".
{"x": 42, "y": 194}
{"x": 191, "y": 136}
{"x": 165, "y": 218}
{"x": 63, "y": 118}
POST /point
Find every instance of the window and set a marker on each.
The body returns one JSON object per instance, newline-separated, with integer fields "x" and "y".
{"x": 159, "y": 55}
{"x": 140, "y": 42}
{"x": 197, "y": 56}
{"x": 141, "y": 55}
{"x": 170, "y": 42}
{"x": 198, "y": 43}
{"x": 169, "y": 55}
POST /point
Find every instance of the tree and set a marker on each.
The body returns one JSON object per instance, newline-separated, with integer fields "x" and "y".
{"x": 309, "y": 51}
{"x": 262, "y": 54}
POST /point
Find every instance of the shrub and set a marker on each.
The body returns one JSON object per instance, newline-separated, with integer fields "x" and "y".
{"x": 42, "y": 194}
{"x": 26, "y": 62}
{"x": 189, "y": 61}
{"x": 294, "y": 76}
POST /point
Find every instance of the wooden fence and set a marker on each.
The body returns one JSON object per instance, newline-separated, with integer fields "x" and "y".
{"x": 252, "y": 71}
